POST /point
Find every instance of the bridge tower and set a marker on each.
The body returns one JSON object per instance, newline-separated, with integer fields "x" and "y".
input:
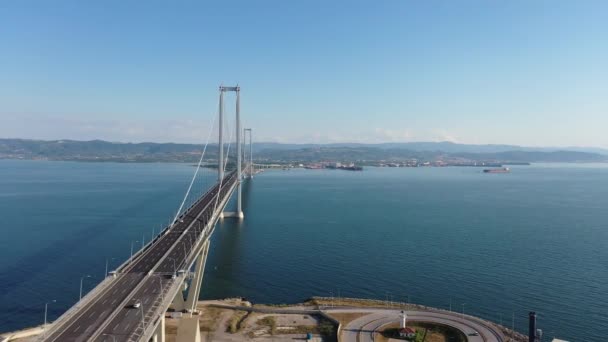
{"x": 250, "y": 151}
{"x": 237, "y": 90}
{"x": 220, "y": 158}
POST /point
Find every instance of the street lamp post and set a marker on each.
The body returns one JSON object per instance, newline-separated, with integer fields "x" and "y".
{"x": 46, "y": 307}
{"x": 81, "y": 282}
{"x": 132, "y": 243}
{"x": 174, "y": 267}
{"x": 160, "y": 287}
{"x": 143, "y": 322}
{"x": 107, "y": 261}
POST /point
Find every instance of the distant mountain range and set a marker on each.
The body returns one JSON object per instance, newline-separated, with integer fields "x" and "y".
{"x": 99, "y": 150}
{"x": 444, "y": 146}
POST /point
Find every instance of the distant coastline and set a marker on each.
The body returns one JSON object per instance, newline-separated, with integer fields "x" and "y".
{"x": 404, "y": 154}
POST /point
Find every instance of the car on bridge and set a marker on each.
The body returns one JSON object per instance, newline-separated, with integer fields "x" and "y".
{"x": 136, "y": 304}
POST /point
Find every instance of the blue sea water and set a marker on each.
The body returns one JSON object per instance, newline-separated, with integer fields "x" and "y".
{"x": 502, "y": 244}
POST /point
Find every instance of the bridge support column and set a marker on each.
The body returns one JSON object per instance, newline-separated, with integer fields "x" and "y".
{"x": 248, "y": 158}
{"x": 220, "y": 161}
{"x": 188, "y": 330}
{"x": 178, "y": 304}
{"x": 159, "y": 334}
{"x": 239, "y": 148}
{"x": 239, "y": 175}
{"x": 251, "y": 171}
{"x": 195, "y": 284}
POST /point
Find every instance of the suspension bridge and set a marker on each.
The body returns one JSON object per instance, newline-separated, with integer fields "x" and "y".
{"x": 131, "y": 302}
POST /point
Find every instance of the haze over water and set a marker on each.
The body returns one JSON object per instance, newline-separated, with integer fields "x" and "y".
{"x": 534, "y": 239}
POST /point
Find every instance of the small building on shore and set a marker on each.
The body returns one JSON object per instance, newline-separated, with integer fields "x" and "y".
{"x": 407, "y": 332}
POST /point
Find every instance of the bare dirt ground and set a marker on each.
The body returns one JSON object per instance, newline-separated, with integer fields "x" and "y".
{"x": 220, "y": 324}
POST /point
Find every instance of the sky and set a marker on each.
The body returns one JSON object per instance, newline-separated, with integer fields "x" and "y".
{"x": 529, "y": 72}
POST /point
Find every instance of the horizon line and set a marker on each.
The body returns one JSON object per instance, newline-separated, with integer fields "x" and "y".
{"x": 318, "y": 143}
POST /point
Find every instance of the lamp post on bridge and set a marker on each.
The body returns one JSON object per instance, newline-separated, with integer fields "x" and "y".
{"x": 160, "y": 288}
{"x": 81, "y": 282}
{"x": 174, "y": 267}
{"x": 46, "y": 307}
{"x": 141, "y": 308}
{"x": 132, "y": 243}
{"x": 185, "y": 252}
{"x": 107, "y": 261}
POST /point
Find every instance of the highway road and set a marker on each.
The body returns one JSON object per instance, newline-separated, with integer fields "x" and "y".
{"x": 364, "y": 329}
{"x": 142, "y": 280}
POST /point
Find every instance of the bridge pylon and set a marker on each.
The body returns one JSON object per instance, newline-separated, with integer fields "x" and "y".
{"x": 239, "y": 172}
{"x": 250, "y": 170}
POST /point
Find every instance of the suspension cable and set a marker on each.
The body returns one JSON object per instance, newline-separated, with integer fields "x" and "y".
{"x": 195, "y": 173}
{"x": 219, "y": 190}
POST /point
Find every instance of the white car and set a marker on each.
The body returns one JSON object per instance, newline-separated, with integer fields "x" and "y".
{"x": 136, "y": 305}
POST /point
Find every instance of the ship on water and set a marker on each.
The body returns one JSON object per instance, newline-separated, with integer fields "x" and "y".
{"x": 499, "y": 170}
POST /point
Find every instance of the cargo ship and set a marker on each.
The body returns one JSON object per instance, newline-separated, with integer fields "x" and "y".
{"x": 501, "y": 170}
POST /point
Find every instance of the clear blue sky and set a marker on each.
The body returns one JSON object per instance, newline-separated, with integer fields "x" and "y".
{"x": 487, "y": 71}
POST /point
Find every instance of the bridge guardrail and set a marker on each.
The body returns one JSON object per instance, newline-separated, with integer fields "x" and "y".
{"x": 138, "y": 253}
{"x": 72, "y": 310}
{"x": 175, "y": 287}
{"x": 108, "y": 281}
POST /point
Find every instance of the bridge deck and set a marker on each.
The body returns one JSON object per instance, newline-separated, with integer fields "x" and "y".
{"x": 144, "y": 279}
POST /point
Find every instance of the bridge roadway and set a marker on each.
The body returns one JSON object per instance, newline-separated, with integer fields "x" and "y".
{"x": 143, "y": 280}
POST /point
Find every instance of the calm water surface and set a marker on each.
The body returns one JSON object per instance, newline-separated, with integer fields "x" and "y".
{"x": 535, "y": 239}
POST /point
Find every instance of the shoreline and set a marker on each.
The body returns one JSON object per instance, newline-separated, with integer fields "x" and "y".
{"x": 239, "y": 319}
